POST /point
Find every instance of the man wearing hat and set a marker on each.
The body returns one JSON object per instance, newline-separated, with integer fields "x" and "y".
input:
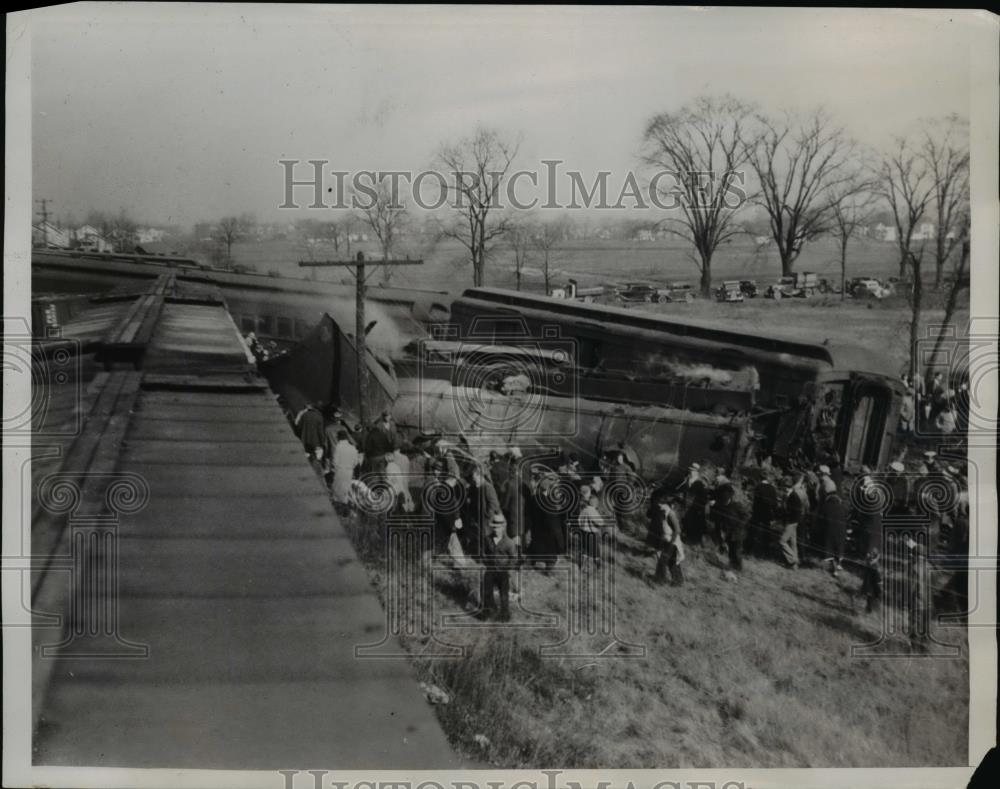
{"x": 869, "y": 519}
{"x": 499, "y": 558}
{"x": 899, "y": 488}
{"x": 796, "y": 506}
{"x": 930, "y": 464}
{"x": 696, "y": 495}
{"x": 379, "y": 441}
{"x": 664, "y": 537}
{"x": 833, "y": 525}
{"x": 730, "y": 519}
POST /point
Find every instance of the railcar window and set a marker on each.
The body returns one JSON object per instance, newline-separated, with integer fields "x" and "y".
{"x": 265, "y": 325}
{"x": 248, "y": 323}
{"x": 285, "y": 328}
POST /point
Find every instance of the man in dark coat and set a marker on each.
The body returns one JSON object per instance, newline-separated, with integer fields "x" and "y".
{"x": 730, "y": 520}
{"x": 480, "y": 505}
{"x": 548, "y": 521}
{"x": 833, "y": 523}
{"x": 764, "y": 513}
{"x": 869, "y": 520}
{"x": 796, "y": 508}
{"x": 380, "y": 441}
{"x": 696, "y": 496}
{"x": 499, "y": 557}
{"x": 899, "y": 489}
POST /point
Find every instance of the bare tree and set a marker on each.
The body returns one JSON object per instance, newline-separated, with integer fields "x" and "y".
{"x": 341, "y": 231}
{"x": 852, "y": 205}
{"x": 520, "y": 239}
{"x": 386, "y": 215}
{"x": 959, "y": 282}
{"x": 907, "y": 184}
{"x": 799, "y": 161}
{"x": 229, "y": 230}
{"x": 702, "y": 140}
{"x": 475, "y": 169}
{"x": 547, "y": 238}
{"x": 945, "y": 151}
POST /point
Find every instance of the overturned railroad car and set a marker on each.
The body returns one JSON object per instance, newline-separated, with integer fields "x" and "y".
{"x": 806, "y": 400}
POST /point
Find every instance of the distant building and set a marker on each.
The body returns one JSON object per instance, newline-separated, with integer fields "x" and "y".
{"x": 644, "y": 235}
{"x": 926, "y": 231}
{"x": 884, "y": 232}
{"x": 89, "y": 238}
{"x": 762, "y": 241}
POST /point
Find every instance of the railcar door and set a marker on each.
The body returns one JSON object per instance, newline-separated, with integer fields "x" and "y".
{"x": 862, "y": 442}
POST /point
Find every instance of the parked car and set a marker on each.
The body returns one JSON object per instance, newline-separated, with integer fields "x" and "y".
{"x": 682, "y": 291}
{"x": 869, "y": 288}
{"x": 749, "y": 288}
{"x": 643, "y": 292}
{"x": 828, "y": 286}
{"x": 729, "y": 291}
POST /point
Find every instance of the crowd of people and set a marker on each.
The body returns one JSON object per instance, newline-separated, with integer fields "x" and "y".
{"x": 936, "y": 407}
{"x": 506, "y": 512}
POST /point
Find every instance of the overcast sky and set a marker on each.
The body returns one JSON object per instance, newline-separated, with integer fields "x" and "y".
{"x": 182, "y": 114}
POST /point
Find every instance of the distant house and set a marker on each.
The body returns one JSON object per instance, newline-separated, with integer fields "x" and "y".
{"x": 762, "y": 241}
{"x": 45, "y": 233}
{"x": 644, "y": 235}
{"x": 884, "y": 232}
{"x": 926, "y": 231}
{"x": 89, "y": 237}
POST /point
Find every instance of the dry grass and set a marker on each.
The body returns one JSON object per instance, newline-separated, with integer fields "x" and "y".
{"x": 756, "y": 673}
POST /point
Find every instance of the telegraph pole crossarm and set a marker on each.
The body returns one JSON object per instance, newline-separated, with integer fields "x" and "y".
{"x": 357, "y": 269}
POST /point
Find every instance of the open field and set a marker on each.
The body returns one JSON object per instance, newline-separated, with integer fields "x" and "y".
{"x": 880, "y": 326}
{"x": 757, "y": 673}
{"x": 446, "y": 267}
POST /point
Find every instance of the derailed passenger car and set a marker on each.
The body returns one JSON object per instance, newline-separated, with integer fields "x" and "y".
{"x": 662, "y": 441}
{"x": 807, "y": 400}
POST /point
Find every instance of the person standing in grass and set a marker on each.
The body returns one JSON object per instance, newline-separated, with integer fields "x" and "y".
{"x": 730, "y": 520}
{"x": 499, "y": 558}
{"x": 345, "y": 463}
{"x": 833, "y": 522}
{"x": 664, "y": 537}
{"x": 796, "y": 506}
{"x": 697, "y": 495}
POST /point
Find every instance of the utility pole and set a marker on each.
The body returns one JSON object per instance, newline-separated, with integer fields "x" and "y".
{"x": 45, "y": 221}
{"x": 358, "y": 267}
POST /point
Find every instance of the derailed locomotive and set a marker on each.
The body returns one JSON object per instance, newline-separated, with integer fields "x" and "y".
{"x": 805, "y": 401}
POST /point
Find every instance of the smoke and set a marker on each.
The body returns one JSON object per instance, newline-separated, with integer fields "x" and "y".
{"x": 703, "y": 373}
{"x": 390, "y": 333}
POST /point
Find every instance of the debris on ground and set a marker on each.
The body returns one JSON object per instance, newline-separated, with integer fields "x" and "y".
{"x": 434, "y": 694}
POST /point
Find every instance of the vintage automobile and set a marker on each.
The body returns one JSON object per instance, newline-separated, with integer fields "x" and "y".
{"x": 631, "y": 292}
{"x": 748, "y": 288}
{"x": 729, "y": 291}
{"x": 868, "y": 288}
{"x": 784, "y": 288}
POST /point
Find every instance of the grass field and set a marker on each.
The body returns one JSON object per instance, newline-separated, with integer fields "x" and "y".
{"x": 756, "y": 673}
{"x": 446, "y": 264}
